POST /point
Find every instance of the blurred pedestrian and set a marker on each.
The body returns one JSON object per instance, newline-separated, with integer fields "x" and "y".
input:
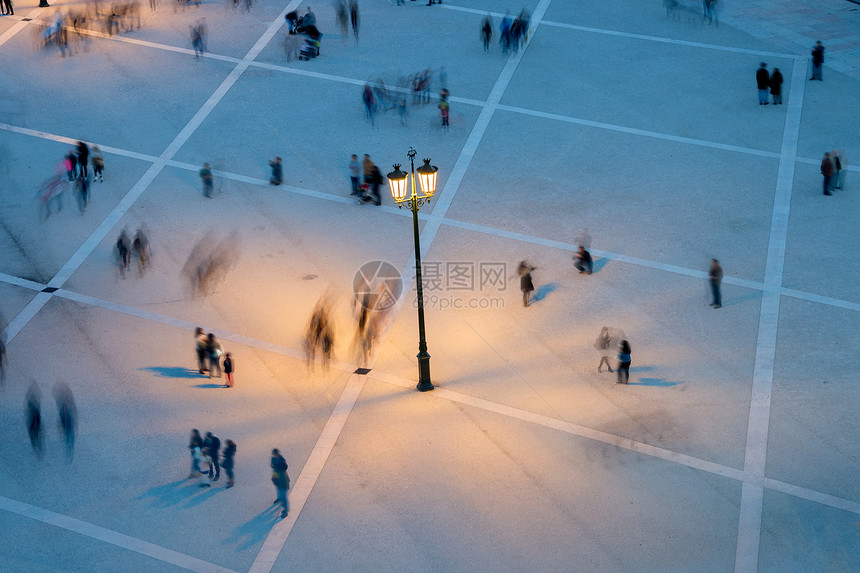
{"x": 354, "y": 18}
{"x": 369, "y": 102}
{"x": 277, "y": 172}
{"x": 444, "y": 108}
{"x": 505, "y": 32}
{"x": 624, "y": 360}
{"x": 583, "y": 239}
{"x": 354, "y": 174}
{"x": 123, "y": 252}
{"x": 604, "y": 346}
{"x": 82, "y": 193}
{"x": 715, "y": 275}
{"x": 196, "y": 443}
{"x": 140, "y": 249}
{"x": 486, "y": 32}
{"x": 228, "y": 369}
{"x": 70, "y": 161}
{"x": 281, "y": 479}
{"x": 206, "y": 178}
{"x": 98, "y": 164}
{"x": 841, "y": 165}
{"x": 227, "y": 461}
{"x": 212, "y": 446}
{"x": 214, "y": 352}
{"x": 67, "y": 416}
{"x": 583, "y": 261}
{"x": 34, "y": 420}
{"x": 204, "y": 462}
{"x": 83, "y": 158}
{"x": 776, "y": 86}
{"x": 762, "y": 80}
{"x": 526, "y": 284}
{"x": 827, "y": 171}
{"x": 837, "y": 169}
{"x": 817, "y": 61}
{"x": 200, "y": 345}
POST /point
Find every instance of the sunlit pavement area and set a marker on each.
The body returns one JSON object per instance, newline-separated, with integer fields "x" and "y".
{"x": 734, "y": 446}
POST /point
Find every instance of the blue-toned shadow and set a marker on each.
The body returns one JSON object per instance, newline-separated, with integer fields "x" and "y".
{"x": 659, "y": 382}
{"x": 172, "y": 372}
{"x": 543, "y": 291}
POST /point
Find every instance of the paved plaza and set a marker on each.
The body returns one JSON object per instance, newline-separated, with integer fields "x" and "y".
{"x": 734, "y": 446}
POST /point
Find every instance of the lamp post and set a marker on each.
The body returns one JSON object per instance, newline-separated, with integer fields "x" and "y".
{"x": 398, "y": 181}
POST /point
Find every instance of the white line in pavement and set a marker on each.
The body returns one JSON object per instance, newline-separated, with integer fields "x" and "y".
{"x": 110, "y": 536}
{"x": 21, "y": 320}
{"x": 311, "y": 471}
{"x": 755, "y": 459}
{"x": 20, "y": 25}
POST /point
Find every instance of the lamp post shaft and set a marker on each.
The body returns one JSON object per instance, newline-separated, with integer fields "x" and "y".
{"x": 424, "y": 383}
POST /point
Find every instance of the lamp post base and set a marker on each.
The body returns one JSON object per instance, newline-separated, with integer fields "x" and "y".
{"x": 424, "y": 383}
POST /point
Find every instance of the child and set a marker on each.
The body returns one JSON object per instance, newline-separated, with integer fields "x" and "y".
{"x": 228, "y": 370}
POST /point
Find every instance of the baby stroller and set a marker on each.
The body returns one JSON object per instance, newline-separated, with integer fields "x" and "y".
{"x": 311, "y": 45}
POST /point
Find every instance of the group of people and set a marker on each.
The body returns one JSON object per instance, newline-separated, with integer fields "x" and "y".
{"x": 833, "y": 170}
{"x": 125, "y": 249}
{"x": 204, "y": 459}
{"x": 768, "y": 81}
{"x": 376, "y": 96}
{"x": 209, "y": 353}
{"x": 319, "y": 334}
{"x": 611, "y": 343}
{"x": 365, "y": 179}
{"x": 511, "y": 31}
{"x": 66, "y": 411}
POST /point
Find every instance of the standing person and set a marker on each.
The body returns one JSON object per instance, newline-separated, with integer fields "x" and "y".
{"x": 227, "y": 461}
{"x": 123, "y": 249}
{"x": 776, "y": 86}
{"x": 214, "y": 351}
{"x": 195, "y": 444}
{"x": 505, "y": 32}
{"x": 715, "y": 275}
{"x": 83, "y": 158}
{"x": 444, "y": 107}
{"x": 200, "y": 343}
{"x": 817, "y": 61}
{"x": 583, "y": 261}
{"x": 277, "y": 171}
{"x": 827, "y": 171}
{"x": 211, "y": 447}
{"x": 82, "y": 186}
{"x": 281, "y": 479}
{"x": 98, "y": 164}
{"x": 762, "y": 80}
{"x": 624, "y": 360}
{"x": 842, "y": 163}
{"x": 603, "y": 345}
{"x": 71, "y": 163}
{"x": 67, "y": 413}
{"x": 369, "y": 102}
{"x": 228, "y": 370}
{"x": 354, "y": 18}
{"x": 375, "y": 182}
{"x": 34, "y": 420}
{"x": 206, "y": 178}
{"x": 354, "y": 174}
{"x": 486, "y": 32}
{"x": 837, "y": 169}
{"x": 526, "y": 284}
{"x": 203, "y": 461}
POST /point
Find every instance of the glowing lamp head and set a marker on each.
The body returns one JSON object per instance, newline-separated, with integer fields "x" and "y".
{"x": 427, "y": 178}
{"x": 398, "y": 183}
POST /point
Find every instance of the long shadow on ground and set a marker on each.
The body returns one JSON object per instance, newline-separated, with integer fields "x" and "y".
{"x": 255, "y": 530}
{"x": 172, "y": 372}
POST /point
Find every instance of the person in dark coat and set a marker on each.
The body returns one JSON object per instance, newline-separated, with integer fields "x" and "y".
{"x": 34, "y": 421}
{"x": 83, "y": 158}
{"x": 214, "y": 351}
{"x": 212, "y": 445}
{"x": 817, "y": 61}
{"x": 277, "y": 171}
{"x": 200, "y": 346}
{"x": 281, "y": 480}
{"x": 195, "y": 442}
{"x": 827, "y": 171}
{"x": 715, "y": 275}
{"x": 583, "y": 261}
{"x": 624, "y": 360}
{"x": 526, "y": 284}
{"x": 228, "y": 369}
{"x": 227, "y": 461}
{"x": 776, "y": 86}
{"x": 762, "y": 80}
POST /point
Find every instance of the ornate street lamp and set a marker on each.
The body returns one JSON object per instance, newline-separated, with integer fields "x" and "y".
{"x": 398, "y": 181}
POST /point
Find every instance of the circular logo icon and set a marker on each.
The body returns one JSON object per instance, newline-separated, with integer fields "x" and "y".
{"x": 377, "y": 285}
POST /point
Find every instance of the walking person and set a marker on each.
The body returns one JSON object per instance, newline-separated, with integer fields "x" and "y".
{"x": 776, "y": 86}
{"x": 123, "y": 251}
{"x": 715, "y": 275}
{"x": 67, "y": 413}
{"x": 277, "y": 172}
{"x": 196, "y": 443}
{"x": 604, "y": 346}
{"x": 203, "y": 461}
{"x": 82, "y": 191}
{"x": 98, "y": 164}
{"x": 227, "y": 461}
{"x": 228, "y": 370}
{"x": 817, "y": 61}
{"x": 211, "y": 447}
{"x": 624, "y": 360}
{"x": 841, "y": 161}
{"x": 354, "y": 18}
{"x": 762, "y": 80}
{"x": 827, "y": 171}
{"x": 837, "y": 169}
{"x": 354, "y": 174}
{"x": 34, "y": 420}
{"x": 526, "y": 284}
{"x": 583, "y": 261}
{"x": 281, "y": 479}
{"x": 200, "y": 345}
{"x": 83, "y": 158}
{"x": 140, "y": 248}
{"x": 70, "y": 161}
{"x": 206, "y": 178}
{"x": 486, "y": 32}
{"x": 214, "y": 352}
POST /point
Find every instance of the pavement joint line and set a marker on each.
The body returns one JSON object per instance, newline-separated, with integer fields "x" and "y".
{"x": 109, "y": 536}
{"x": 20, "y": 25}
{"x": 502, "y": 409}
{"x": 304, "y": 484}
{"x": 755, "y": 458}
